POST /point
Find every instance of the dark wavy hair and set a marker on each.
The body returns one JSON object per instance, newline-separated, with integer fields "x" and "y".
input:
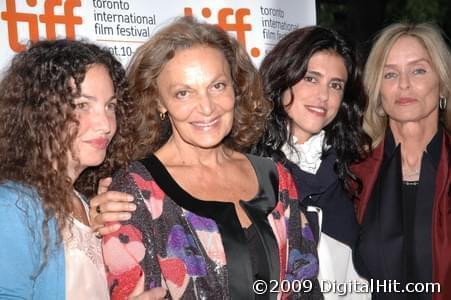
{"x": 283, "y": 67}
{"x": 251, "y": 108}
{"x": 37, "y": 119}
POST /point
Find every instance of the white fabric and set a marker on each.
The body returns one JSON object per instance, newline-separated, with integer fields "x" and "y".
{"x": 335, "y": 258}
{"x": 85, "y": 271}
{"x": 307, "y": 155}
{"x": 336, "y": 267}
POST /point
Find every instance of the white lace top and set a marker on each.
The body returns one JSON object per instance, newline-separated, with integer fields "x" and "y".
{"x": 85, "y": 271}
{"x": 307, "y": 155}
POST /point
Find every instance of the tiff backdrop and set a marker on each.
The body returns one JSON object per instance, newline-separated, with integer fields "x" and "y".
{"x": 123, "y": 25}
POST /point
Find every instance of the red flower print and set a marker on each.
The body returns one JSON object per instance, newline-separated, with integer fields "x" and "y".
{"x": 278, "y": 224}
{"x": 122, "y": 286}
{"x": 148, "y": 185}
{"x": 173, "y": 269}
{"x": 286, "y": 182}
{"x": 154, "y": 202}
{"x": 123, "y": 249}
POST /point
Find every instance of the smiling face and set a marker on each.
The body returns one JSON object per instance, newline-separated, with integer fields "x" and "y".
{"x": 95, "y": 112}
{"x": 316, "y": 97}
{"x": 410, "y": 84}
{"x": 196, "y": 91}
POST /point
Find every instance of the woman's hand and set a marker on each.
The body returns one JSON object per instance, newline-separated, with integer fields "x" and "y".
{"x": 157, "y": 293}
{"x": 109, "y": 206}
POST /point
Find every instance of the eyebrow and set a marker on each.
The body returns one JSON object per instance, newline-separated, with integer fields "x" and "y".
{"x": 321, "y": 75}
{"x": 92, "y": 98}
{"x": 410, "y": 63}
{"x": 188, "y": 86}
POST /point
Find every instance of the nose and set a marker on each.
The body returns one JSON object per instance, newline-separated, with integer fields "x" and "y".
{"x": 103, "y": 122}
{"x": 404, "y": 81}
{"x": 323, "y": 92}
{"x": 206, "y": 104}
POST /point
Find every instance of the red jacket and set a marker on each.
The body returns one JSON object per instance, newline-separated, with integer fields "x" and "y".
{"x": 441, "y": 220}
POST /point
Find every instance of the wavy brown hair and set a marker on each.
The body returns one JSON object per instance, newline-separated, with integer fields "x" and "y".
{"x": 37, "y": 116}
{"x": 251, "y": 108}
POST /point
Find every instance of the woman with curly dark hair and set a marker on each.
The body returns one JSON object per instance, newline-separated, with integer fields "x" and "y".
{"x": 312, "y": 78}
{"x": 210, "y": 219}
{"x": 61, "y": 104}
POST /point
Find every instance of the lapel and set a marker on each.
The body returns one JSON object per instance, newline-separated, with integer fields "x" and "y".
{"x": 441, "y": 223}
{"x": 367, "y": 171}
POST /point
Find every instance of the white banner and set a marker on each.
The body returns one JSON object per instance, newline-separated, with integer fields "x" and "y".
{"x": 123, "y": 25}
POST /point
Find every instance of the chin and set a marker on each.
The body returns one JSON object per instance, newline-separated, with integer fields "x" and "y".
{"x": 207, "y": 144}
{"x": 93, "y": 161}
{"x": 314, "y": 130}
{"x": 205, "y": 140}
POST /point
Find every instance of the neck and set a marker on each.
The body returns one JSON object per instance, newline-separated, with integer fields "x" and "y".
{"x": 414, "y": 138}
{"x": 73, "y": 173}
{"x": 301, "y": 137}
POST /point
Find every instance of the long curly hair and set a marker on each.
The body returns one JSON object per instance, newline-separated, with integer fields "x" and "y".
{"x": 283, "y": 67}
{"x": 37, "y": 119}
{"x": 251, "y": 108}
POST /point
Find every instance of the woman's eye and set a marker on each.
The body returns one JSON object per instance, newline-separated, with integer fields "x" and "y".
{"x": 181, "y": 94}
{"x": 309, "y": 79}
{"x": 112, "y": 106}
{"x": 390, "y": 75}
{"x": 81, "y": 106}
{"x": 419, "y": 71}
{"x": 337, "y": 86}
{"x": 219, "y": 86}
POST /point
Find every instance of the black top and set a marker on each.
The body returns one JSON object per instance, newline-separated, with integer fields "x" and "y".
{"x": 395, "y": 240}
{"x": 409, "y": 199}
{"x": 255, "y": 247}
{"x": 239, "y": 260}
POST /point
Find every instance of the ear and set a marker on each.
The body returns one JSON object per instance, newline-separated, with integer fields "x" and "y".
{"x": 161, "y": 107}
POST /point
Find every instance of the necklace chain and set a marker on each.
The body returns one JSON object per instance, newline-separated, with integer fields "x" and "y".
{"x": 412, "y": 175}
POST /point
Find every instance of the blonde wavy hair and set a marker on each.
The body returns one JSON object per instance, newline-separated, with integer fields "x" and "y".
{"x": 431, "y": 37}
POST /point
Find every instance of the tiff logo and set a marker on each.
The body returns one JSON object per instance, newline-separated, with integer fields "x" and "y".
{"x": 49, "y": 18}
{"x": 225, "y": 22}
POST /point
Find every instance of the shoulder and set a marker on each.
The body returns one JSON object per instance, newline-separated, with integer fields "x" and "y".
{"x": 447, "y": 139}
{"x": 12, "y": 191}
{"x": 137, "y": 180}
{"x": 134, "y": 167}
{"x": 21, "y": 235}
{"x": 446, "y": 149}
{"x": 22, "y": 214}
{"x": 366, "y": 167}
{"x": 258, "y": 158}
{"x": 125, "y": 179}
{"x": 18, "y": 201}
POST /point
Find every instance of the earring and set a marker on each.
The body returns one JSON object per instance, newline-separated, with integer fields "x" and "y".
{"x": 442, "y": 103}
{"x": 380, "y": 111}
{"x": 162, "y": 116}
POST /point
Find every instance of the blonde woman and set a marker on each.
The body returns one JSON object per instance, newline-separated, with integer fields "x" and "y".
{"x": 405, "y": 204}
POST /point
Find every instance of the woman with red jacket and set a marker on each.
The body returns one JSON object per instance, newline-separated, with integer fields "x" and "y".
{"x": 404, "y": 208}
